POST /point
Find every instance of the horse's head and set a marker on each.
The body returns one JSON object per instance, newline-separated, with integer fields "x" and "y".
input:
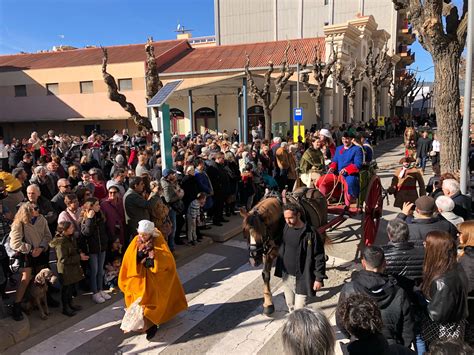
{"x": 254, "y": 230}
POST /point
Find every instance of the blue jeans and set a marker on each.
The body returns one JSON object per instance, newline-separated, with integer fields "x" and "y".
{"x": 170, "y": 237}
{"x": 96, "y": 263}
{"x": 423, "y": 161}
{"x": 420, "y": 345}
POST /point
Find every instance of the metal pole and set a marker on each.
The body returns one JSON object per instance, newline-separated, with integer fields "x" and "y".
{"x": 216, "y": 112}
{"x": 291, "y": 109}
{"x": 244, "y": 109}
{"x": 466, "y": 123}
{"x": 191, "y": 115}
{"x": 298, "y": 92}
{"x": 239, "y": 113}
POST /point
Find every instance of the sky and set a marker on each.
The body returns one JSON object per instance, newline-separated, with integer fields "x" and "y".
{"x": 33, "y": 25}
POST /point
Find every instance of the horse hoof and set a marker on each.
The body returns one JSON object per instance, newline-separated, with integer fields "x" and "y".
{"x": 268, "y": 310}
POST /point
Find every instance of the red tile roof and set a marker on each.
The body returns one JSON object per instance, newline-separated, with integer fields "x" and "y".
{"x": 233, "y": 56}
{"x": 88, "y": 56}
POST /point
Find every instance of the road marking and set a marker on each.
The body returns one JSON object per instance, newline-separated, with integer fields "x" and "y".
{"x": 94, "y": 325}
{"x": 199, "y": 308}
{"x": 237, "y": 243}
{"x": 252, "y": 334}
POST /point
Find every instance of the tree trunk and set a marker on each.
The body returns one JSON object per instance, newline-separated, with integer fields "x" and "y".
{"x": 447, "y": 109}
{"x": 268, "y": 122}
{"x": 351, "y": 107}
{"x": 317, "y": 110}
{"x": 374, "y": 95}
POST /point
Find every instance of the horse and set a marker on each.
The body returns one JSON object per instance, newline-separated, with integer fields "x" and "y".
{"x": 263, "y": 228}
{"x": 410, "y": 141}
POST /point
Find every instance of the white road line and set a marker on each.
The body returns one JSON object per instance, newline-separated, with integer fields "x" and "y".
{"x": 253, "y": 333}
{"x": 199, "y": 308}
{"x": 237, "y": 243}
{"x": 88, "y": 328}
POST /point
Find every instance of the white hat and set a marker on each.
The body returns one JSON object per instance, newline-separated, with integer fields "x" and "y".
{"x": 145, "y": 226}
{"x": 324, "y": 132}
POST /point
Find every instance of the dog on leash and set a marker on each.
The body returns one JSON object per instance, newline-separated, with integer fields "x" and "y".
{"x": 36, "y": 292}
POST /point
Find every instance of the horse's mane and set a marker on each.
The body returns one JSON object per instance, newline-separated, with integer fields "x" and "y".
{"x": 265, "y": 214}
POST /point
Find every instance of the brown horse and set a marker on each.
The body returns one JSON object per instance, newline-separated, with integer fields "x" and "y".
{"x": 263, "y": 229}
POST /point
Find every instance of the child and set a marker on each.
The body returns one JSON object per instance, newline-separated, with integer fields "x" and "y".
{"x": 111, "y": 274}
{"x": 69, "y": 267}
{"x": 192, "y": 216}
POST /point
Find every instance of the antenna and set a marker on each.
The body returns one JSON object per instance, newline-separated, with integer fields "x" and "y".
{"x": 181, "y": 29}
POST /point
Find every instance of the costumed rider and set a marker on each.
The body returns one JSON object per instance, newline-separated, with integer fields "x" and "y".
{"x": 347, "y": 161}
{"x": 149, "y": 271}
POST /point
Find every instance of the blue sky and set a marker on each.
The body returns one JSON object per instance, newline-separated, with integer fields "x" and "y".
{"x": 32, "y": 25}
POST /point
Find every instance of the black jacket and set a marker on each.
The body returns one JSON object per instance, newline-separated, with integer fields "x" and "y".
{"x": 392, "y": 300}
{"x": 376, "y": 345}
{"x": 448, "y": 297}
{"x": 420, "y": 227}
{"x": 404, "y": 259}
{"x": 94, "y": 238}
{"x": 467, "y": 263}
{"x": 462, "y": 205}
{"x": 311, "y": 262}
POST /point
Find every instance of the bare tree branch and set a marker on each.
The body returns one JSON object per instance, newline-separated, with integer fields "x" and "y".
{"x": 152, "y": 79}
{"x": 114, "y": 95}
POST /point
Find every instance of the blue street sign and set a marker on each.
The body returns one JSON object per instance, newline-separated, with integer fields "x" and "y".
{"x": 298, "y": 114}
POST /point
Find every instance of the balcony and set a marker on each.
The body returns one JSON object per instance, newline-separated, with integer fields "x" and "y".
{"x": 407, "y": 57}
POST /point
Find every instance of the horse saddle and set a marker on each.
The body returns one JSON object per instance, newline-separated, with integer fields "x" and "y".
{"x": 313, "y": 203}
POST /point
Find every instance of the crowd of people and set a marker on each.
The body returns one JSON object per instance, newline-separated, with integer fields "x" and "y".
{"x": 82, "y": 201}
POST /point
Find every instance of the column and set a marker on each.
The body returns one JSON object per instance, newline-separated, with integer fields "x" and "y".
{"x": 244, "y": 137}
{"x": 190, "y": 109}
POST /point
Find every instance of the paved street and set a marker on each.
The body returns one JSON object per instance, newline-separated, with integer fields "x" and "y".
{"x": 225, "y": 301}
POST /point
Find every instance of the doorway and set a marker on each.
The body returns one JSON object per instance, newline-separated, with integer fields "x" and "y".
{"x": 177, "y": 121}
{"x": 255, "y": 117}
{"x": 205, "y": 118}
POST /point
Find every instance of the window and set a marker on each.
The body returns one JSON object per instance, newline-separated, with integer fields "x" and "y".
{"x": 52, "y": 89}
{"x": 20, "y": 90}
{"x": 87, "y": 87}
{"x": 125, "y": 84}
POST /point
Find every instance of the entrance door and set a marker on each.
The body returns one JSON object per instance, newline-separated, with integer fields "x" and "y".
{"x": 205, "y": 118}
{"x": 177, "y": 121}
{"x": 255, "y": 117}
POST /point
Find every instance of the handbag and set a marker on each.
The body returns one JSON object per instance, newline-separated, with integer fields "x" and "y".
{"x": 133, "y": 320}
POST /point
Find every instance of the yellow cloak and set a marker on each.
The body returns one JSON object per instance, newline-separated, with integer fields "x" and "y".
{"x": 160, "y": 288}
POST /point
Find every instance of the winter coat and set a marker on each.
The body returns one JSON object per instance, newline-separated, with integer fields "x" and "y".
{"x": 204, "y": 185}
{"x": 94, "y": 238}
{"x": 311, "y": 158}
{"x": 404, "y": 259}
{"x": 136, "y": 207}
{"x": 392, "y": 300}
{"x": 311, "y": 261}
{"x": 448, "y": 297}
{"x": 58, "y": 202}
{"x": 376, "y": 345}
{"x": 218, "y": 177}
{"x": 283, "y": 158}
{"x": 404, "y": 188}
{"x": 462, "y": 205}
{"x": 47, "y": 186}
{"x": 420, "y": 227}
{"x": 26, "y": 237}
{"x": 467, "y": 263}
{"x": 423, "y": 147}
{"x": 115, "y": 219}
{"x": 191, "y": 189}
{"x": 68, "y": 259}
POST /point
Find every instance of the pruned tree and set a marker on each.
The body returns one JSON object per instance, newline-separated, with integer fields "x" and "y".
{"x": 399, "y": 89}
{"x": 442, "y": 32}
{"x": 347, "y": 80}
{"x": 152, "y": 78}
{"x": 263, "y": 96}
{"x": 321, "y": 72}
{"x": 378, "y": 69}
{"x": 413, "y": 93}
{"x": 114, "y": 95}
{"x": 425, "y": 98}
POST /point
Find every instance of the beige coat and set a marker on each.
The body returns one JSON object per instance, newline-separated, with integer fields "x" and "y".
{"x": 404, "y": 188}
{"x": 25, "y": 237}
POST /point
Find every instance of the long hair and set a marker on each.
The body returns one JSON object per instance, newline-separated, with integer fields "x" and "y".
{"x": 25, "y": 213}
{"x": 61, "y": 228}
{"x": 440, "y": 257}
{"x": 467, "y": 230}
{"x": 91, "y": 201}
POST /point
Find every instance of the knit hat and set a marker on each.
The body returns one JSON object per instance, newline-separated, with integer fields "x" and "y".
{"x": 444, "y": 203}
{"x": 167, "y": 172}
{"x": 425, "y": 204}
{"x": 145, "y": 226}
{"x": 325, "y": 132}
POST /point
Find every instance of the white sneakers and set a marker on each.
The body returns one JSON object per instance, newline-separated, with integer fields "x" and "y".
{"x": 104, "y": 295}
{"x": 100, "y": 297}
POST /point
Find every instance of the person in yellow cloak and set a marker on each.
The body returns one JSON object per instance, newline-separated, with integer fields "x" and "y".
{"x": 149, "y": 271}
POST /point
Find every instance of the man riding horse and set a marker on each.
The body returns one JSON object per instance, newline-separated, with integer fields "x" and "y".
{"x": 347, "y": 162}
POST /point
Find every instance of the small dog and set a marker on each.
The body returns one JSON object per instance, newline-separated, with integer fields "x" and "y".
{"x": 36, "y": 293}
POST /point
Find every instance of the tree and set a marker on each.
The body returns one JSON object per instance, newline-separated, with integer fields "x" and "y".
{"x": 114, "y": 95}
{"x": 425, "y": 98}
{"x": 321, "y": 72}
{"x": 378, "y": 69}
{"x": 263, "y": 96}
{"x": 152, "y": 79}
{"x": 413, "y": 93}
{"x": 442, "y": 32}
{"x": 399, "y": 89}
{"x": 348, "y": 83}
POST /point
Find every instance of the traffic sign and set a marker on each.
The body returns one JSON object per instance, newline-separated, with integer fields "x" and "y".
{"x": 298, "y": 114}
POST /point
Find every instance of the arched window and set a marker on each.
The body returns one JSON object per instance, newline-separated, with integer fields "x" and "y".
{"x": 205, "y": 118}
